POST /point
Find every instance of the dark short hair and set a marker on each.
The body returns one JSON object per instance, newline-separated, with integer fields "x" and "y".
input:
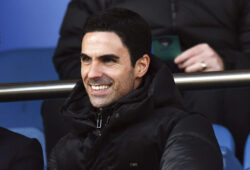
{"x": 132, "y": 29}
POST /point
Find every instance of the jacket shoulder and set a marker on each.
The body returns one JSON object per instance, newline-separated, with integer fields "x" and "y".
{"x": 192, "y": 144}
{"x": 19, "y": 152}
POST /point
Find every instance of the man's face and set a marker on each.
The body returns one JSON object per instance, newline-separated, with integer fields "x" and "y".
{"x": 106, "y": 68}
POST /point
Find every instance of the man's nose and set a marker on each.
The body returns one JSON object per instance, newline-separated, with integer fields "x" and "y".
{"x": 95, "y": 71}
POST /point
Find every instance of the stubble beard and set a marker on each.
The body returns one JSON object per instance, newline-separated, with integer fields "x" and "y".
{"x": 117, "y": 92}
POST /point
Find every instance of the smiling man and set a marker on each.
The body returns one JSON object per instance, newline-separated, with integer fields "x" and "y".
{"x": 126, "y": 111}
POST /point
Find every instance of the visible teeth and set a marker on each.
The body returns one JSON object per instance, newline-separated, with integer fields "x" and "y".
{"x": 99, "y": 87}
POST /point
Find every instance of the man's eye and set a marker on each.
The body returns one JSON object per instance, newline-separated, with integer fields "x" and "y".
{"x": 85, "y": 59}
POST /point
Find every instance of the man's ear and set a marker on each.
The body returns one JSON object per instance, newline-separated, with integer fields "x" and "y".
{"x": 142, "y": 65}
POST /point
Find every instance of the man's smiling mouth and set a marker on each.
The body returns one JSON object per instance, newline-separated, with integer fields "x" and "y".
{"x": 99, "y": 87}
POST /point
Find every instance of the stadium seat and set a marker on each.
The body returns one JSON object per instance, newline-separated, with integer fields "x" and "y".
{"x": 30, "y": 24}
{"x": 246, "y": 162}
{"x": 224, "y": 137}
{"x": 28, "y": 34}
{"x": 227, "y": 147}
{"x": 230, "y": 162}
{"x": 25, "y": 65}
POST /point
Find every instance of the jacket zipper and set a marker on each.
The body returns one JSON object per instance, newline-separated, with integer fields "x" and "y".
{"x": 173, "y": 11}
{"x": 99, "y": 120}
{"x": 99, "y": 123}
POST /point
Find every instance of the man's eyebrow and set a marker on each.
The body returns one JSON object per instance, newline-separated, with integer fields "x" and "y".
{"x": 106, "y": 56}
{"x": 109, "y": 56}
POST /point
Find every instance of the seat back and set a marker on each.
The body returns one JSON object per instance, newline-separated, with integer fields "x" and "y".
{"x": 29, "y": 31}
{"x": 224, "y": 137}
{"x": 227, "y": 147}
{"x": 230, "y": 162}
{"x": 26, "y": 65}
{"x": 30, "y": 23}
{"x": 246, "y": 162}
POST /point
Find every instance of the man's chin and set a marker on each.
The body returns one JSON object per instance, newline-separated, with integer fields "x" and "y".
{"x": 99, "y": 104}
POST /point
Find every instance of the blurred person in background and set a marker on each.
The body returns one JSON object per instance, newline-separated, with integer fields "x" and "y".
{"x": 18, "y": 152}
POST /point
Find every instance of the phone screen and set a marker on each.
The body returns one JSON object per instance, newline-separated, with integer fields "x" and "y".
{"x": 166, "y": 47}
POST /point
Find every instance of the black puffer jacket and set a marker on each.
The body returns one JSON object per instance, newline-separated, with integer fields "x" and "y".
{"x": 223, "y": 24}
{"x": 148, "y": 130}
